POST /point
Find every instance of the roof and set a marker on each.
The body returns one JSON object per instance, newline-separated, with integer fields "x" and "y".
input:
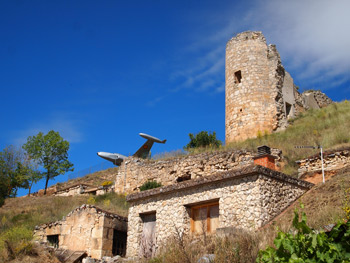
{"x": 236, "y": 173}
{"x": 83, "y": 207}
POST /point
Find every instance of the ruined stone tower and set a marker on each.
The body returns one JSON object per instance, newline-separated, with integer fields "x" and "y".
{"x": 256, "y": 101}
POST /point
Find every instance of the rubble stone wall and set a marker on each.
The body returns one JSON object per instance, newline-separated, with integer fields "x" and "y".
{"x": 248, "y": 200}
{"x": 260, "y": 94}
{"x": 134, "y": 172}
{"x": 86, "y": 228}
{"x": 72, "y": 191}
{"x": 333, "y": 160}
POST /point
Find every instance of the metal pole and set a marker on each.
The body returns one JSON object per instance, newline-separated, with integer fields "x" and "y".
{"x": 322, "y": 164}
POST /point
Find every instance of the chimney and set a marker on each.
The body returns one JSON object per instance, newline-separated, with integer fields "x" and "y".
{"x": 264, "y": 157}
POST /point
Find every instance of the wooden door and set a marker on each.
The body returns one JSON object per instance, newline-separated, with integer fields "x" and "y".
{"x": 148, "y": 239}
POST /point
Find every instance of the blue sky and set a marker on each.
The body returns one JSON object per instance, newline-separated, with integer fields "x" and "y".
{"x": 100, "y": 72}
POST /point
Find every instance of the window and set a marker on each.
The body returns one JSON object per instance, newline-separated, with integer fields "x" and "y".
{"x": 205, "y": 218}
{"x": 288, "y": 109}
{"x": 53, "y": 240}
{"x": 238, "y": 76}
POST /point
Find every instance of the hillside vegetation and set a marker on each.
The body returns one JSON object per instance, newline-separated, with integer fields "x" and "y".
{"x": 324, "y": 204}
{"x": 328, "y": 127}
{"x": 19, "y": 216}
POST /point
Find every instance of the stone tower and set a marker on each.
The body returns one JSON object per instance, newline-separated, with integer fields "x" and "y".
{"x": 254, "y": 83}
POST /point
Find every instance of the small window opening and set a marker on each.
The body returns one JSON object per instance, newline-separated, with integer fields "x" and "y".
{"x": 240, "y": 110}
{"x": 119, "y": 243}
{"x": 205, "y": 218}
{"x": 288, "y": 109}
{"x": 53, "y": 240}
{"x": 238, "y": 76}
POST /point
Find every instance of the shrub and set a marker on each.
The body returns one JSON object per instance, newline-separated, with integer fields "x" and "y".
{"x": 107, "y": 183}
{"x": 203, "y": 139}
{"x": 16, "y": 241}
{"x": 150, "y": 185}
{"x": 307, "y": 245}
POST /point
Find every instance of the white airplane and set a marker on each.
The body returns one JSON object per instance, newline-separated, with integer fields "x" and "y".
{"x": 143, "y": 152}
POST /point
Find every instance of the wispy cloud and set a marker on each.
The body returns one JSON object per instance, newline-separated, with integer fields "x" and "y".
{"x": 68, "y": 127}
{"x": 312, "y": 36}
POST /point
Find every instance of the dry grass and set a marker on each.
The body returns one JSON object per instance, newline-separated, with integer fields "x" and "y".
{"x": 19, "y": 216}
{"x": 327, "y": 127}
{"x": 95, "y": 179}
{"x": 323, "y": 205}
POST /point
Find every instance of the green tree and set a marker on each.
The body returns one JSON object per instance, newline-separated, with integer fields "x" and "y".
{"x": 11, "y": 172}
{"x": 32, "y": 175}
{"x": 203, "y": 139}
{"x": 51, "y": 152}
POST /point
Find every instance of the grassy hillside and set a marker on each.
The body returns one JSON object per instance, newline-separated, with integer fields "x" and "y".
{"x": 328, "y": 127}
{"x": 323, "y": 204}
{"x": 20, "y": 215}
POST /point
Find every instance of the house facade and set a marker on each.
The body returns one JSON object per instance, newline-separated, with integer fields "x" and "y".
{"x": 245, "y": 198}
{"x": 87, "y": 228}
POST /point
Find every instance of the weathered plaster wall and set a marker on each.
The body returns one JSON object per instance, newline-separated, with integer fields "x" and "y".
{"x": 86, "y": 228}
{"x": 248, "y": 198}
{"x": 134, "y": 172}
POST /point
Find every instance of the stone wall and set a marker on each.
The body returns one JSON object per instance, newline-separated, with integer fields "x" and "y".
{"x": 248, "y": 198}
{"x": 87, "y": 228}
{"x": 333, "y": 160}
{"x": 260, "y": 94}
{"x": 73, "y": 190}
{"x": 134, "y": 172}
{"x": 253, "y": 77}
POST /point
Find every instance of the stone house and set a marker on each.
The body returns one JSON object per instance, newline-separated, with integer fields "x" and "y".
{"x": 87, "y": 228}
{"x": 245, "y": 198}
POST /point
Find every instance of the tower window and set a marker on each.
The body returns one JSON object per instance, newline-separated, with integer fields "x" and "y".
{"x": 238, "y": 76}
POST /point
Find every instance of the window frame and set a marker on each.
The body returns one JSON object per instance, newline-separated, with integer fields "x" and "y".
{"x": 208, "y": 206}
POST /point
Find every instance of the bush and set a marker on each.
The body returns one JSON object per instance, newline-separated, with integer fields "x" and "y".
{"x": 107, "y": 183}
{"x": 150, "y": 185}
{"x": 16, "y": 241}
{"x": 307, "y": 245}
{"x": 203, "y": 139}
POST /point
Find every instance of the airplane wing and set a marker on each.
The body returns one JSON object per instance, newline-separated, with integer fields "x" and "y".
{"x": 144, "y": 150}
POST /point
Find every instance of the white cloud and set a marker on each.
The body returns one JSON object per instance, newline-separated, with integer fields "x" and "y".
{"x": 312, "y": 36}
{"x": 67, "y": 126}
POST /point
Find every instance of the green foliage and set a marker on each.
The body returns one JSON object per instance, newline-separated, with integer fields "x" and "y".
{"x": 307, "y": 245}
{"x": 203, "y": 139}
{"x": 51, "y": 152}
{"x": 13, "y": 172}
{"x": 150, "y": 185}
{"x": 16, "y": 241}
{"x": 107, "y": 183}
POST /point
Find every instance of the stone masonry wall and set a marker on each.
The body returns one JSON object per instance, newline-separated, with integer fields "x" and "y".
{"x": 248, "y": 199}
{"x": 260, "y": 94}
{"x": 251, "y": 102}
{"x": 134, "y": 172}
{"x": 333, "y": 160}
{"x": 86, "y": 228}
